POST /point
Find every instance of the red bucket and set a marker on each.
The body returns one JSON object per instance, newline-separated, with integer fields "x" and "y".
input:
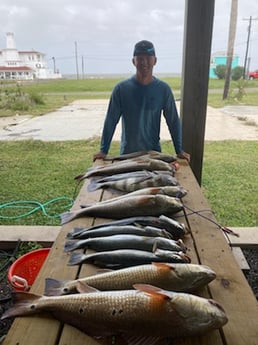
{"x": 25, "y": 269}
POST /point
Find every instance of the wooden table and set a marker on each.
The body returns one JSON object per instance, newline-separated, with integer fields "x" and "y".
{"x": 206, "y": 245}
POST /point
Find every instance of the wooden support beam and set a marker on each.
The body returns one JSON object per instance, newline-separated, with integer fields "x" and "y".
{"x": 195, "y": 78}
{"x": 44, "y": 235}
{"x": 247, "y": 237}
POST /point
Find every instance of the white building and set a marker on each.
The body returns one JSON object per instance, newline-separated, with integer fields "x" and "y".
{"x": 24, "y": 65}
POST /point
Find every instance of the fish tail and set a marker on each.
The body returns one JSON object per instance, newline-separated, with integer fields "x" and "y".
{"x": 80, "y": 177}
{"x": 54, "y": 287}
{"x": 24, "y": 304}
{"x": 67, "y": 217}
{"x": 76, "y": 259}
{"x": 70, "y": 246}
{"x": 75, "y": 233}
{"x": 93, "y": 185}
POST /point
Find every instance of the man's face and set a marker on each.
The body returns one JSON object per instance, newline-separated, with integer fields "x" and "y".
{"x": 144, "y": 63}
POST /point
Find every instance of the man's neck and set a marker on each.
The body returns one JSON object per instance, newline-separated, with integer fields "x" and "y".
{"x": 144, "y": 79}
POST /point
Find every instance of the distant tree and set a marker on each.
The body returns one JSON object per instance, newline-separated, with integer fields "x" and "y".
{"x": 237, "y": 73}
{"x": 220, "y": 71}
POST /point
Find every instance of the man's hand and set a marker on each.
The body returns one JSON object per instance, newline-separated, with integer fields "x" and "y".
{"x": 99, "y": 155}
{"x": 184, "y": 155}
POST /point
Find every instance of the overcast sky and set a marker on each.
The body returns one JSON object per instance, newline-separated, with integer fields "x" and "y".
{"x": 105, "y": 32}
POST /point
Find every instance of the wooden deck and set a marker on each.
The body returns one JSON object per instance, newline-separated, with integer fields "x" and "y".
{"x": 206, "y": 245}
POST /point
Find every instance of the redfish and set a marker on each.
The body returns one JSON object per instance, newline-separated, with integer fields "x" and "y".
{"x": 147, "y": 311}
{"x": 175, "y": 277}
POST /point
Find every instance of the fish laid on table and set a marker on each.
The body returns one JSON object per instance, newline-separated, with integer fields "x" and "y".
{"x": 127, "y": 257}
{"x": 141, "y": 205}
{"x": 147, "y": 311}
{"x": 125, "y": 241}
{"x": 173, "y": 191}
{"x": 126, "y": 166}
{"x": 175, "y": 277}
{"x": 143, "y": 154}
{"x": 130, "y": 182}
{"x": 110, "y": 230}
{"x": 176, "y": 230}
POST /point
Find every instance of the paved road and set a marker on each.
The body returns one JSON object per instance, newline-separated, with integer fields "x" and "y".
{"x": 83, "y": 119}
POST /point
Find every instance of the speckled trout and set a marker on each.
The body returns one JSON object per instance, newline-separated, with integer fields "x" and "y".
{"x": 146, "y": 311}
{"x": 125, "y": 241}
{"x": 121, "y": 258}
{"x": 126, "y": 166}
{"x": 177, "y": 230}
{"x": 143, "y": 154}
{"x": 131, "y": 182}
{"x": 175, "y": 277}
{"x": 140, "y": 205}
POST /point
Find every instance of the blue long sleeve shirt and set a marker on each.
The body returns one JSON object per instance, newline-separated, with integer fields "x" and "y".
{"x": 140, "y": 108}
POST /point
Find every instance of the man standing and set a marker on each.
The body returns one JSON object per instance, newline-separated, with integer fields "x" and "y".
{"x": 140, "y": 101}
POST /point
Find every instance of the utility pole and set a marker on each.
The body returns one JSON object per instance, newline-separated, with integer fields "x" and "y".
{"x": 76, "y": 59}
{"x": 82, "y": 67}
{"x": 247, "y": 44}
{"x": 231, "y": 42}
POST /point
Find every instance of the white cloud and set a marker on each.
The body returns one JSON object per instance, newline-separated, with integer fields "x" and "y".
{"x": 105, "y": 32}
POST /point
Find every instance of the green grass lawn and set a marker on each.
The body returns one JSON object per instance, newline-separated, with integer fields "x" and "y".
{"x": 40, "y": 171}
{"x": 57, "y": 93}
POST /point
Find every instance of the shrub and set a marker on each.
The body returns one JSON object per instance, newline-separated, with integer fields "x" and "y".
{"x": 220, "y": 71}
{"x": 237, "y": 72}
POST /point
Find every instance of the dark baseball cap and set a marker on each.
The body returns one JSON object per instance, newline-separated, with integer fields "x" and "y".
{"x": 144, "y": 47}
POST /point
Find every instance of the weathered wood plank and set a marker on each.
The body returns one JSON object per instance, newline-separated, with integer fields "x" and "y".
{"x": 240, "y": 258}
{"x": 44, "y": 235}
{"x": 248, "y": 237}
{"x": 230, "y": 285}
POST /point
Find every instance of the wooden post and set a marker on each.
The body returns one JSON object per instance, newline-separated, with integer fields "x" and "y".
{"x": 195, "y": 78}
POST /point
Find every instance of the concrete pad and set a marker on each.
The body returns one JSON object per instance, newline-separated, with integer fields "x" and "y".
{"x": 83, "y": 119}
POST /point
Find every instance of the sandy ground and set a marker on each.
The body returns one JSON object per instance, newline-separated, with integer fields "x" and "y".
{"x": 83, "y": 119}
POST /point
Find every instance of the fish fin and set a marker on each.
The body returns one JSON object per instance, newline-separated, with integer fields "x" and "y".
{"x": 53, "y": 287}
{"x": 70, "y": 246}
{"x": 85, "y": 288}
{"x": 22, "y": 302}
{"x": 67, "y": 217}
{"x": 104, "y": 270}
{"x": 140, "y": 340}
{"x": 152, "y": 290}
{"x": 75, "y": 259}
{"x": 154, "y": 247}
{"x": 163, "y": 265}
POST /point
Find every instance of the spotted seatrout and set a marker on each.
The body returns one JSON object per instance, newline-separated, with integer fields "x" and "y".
{"x": 134, "y": 181}
{"x": 127, "y": 166}
{"x": 125, "y": 241}
{"x": 175, "y": 277}
{"x": 143, "y": 154}
{"x": 146, "y": 311}
{"x": 140, "y": 205}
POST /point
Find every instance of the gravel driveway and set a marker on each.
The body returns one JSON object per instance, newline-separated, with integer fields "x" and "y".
{"x": 83, "y": 119}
